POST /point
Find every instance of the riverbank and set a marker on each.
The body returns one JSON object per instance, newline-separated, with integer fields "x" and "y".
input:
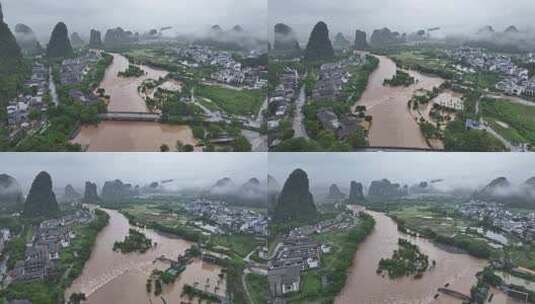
{"x": 325, "y": 284}
{"x": 72, "y": 261}
{"x": 456, "y": 270}
{"x": 120, "y": 136}
{"x": 393, "y": 125}
{"x": 108, "y": 274}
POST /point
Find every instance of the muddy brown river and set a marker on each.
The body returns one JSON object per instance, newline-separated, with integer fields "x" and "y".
{"x": 393, "y": 125}
{"x": 130, "y": 136}
{"x": 123, "y": 91}
{"x": 364, "y": 286}
{"x": 113, "y": 277}
{"x": 120, "y": 136}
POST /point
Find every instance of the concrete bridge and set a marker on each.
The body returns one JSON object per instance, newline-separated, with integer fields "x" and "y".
{"x": 223, "y": 140}
{"x": 455, "y": 294}
{"x": 396, "y": 149}
{"x": 131, "y": 116}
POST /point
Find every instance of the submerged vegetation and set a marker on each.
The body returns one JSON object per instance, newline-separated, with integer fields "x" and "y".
{"x": 132, "y": 71}
{"x": 135, "y": 241}
{"x": 405, "y": 261}
{"x": 400, "y": 79}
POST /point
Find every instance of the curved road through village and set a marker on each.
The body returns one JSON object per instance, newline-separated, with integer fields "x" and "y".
{"x": 299, "y": 118}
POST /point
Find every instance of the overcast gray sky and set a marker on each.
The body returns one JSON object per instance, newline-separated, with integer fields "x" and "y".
{"x": 457, "y": 169}
{"x": 401, "y": 15}
{"x": 323, "y": 169}
{"x": 140, "y": 15}
{"x": 188, "y": 169}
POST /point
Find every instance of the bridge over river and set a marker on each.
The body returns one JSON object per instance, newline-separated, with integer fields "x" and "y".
{"x": 131, "y": 116}
{"x": 455, "y": 294}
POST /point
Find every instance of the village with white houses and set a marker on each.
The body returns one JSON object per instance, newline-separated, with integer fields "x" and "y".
{"x": 229, "y": 70}
{"x": 299, "y": 252}
{"x": 27, "y": 112}
{"x": 515, "y": 80}
{"x": 520, "y": 226}
{"x": 43, "y": 249}
{"x": 282, "y": 98}
{"x": 228, "y": 218}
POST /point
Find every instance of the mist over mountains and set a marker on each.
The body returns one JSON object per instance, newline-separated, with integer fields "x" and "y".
{"x": 253, "y": 193}
{"x": 139, "y": 16}
{"x": 503, "y": 191}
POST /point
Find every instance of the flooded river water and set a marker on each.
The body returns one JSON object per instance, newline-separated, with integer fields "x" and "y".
{"x": 123, "y": 91}
{"x": 126, "y": 136}
{"x": 393, "y": 125}
{"x": 364, "y": 286}
{"x": 120, "y": 136}
{"x": 113, "y": 277}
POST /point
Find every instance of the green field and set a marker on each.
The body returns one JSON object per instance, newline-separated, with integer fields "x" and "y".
{"x": 258, "y": 287}
{"x": 519, "y": 118}
{"x": 240, "y": 244}
{"x": 413, "y": 58}
{"x": 425, "y": 218}
{"x": 523, "y": 256}
{"x": 485, "y": 80}
{"x": 151, "y": 213}
{"x": 245, "y": 102}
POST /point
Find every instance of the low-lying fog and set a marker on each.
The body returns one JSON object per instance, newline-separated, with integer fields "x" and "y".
{"x": 448, "y": 171}
{"x": 454, "y": 17}
{"x": 180, "y": 171}
{"x": 184, "y": 16}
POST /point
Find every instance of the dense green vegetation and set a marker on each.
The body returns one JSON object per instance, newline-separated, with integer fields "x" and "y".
{"x": 132, "y": 71}
{"x": 321, "y": 139}
{"x": 15, "y": 249}
{"x": 319, "y": 45}
{"x": 299, "y": 144}
{"x": 410, "y": 219}
{"x": 335, "y": 264}
{"x": 71, "y": 263}
{"x": 38, "y": 292}
{"x": 135, "y": 241}
{"x": 240, "y": 244}
{"x": 41, "y": 201}
{"x": 523, "y": 256}
{"x": 513, "y": 121}
{"x": 326, "y": 139}
{"x": 59, "y": 45}
{"x": 458, "y": 138}
{"x": 295, "y": 203}
{"x": 64, "y": 119}
{"x": 428, "y": 59}
{"x": 95, "y": 76}
{"x": 405, "y": 261}
{"x": 360, "y": 76}
{"x": 258, "y": 287}
{"x": 193, "y": 292}
{"x": 236, "y": 102}
{"x": 400, "y": 79}
{"x": 73, "y": 258}
{"x": 13, "y": 70}
{"x": 182, "y": 231}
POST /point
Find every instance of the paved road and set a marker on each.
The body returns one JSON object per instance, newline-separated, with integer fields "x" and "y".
{"x": 486, "y": 126}
{"x": 258, "y": 141}
{"x": 507, "y": 143}
{"x": 299, "y": 117}
{"x": 514, "y": 99}
{"x": 52, "y": 87}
